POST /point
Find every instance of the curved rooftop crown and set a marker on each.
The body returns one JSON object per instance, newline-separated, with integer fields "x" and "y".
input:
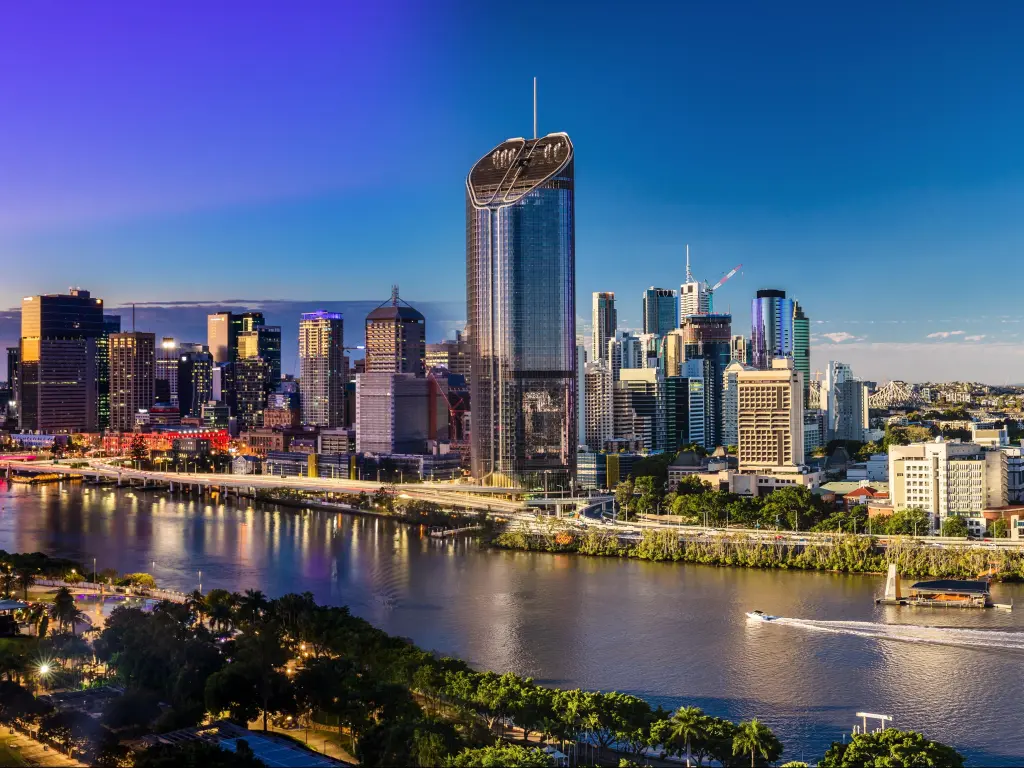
{"x": 515, "y": 168}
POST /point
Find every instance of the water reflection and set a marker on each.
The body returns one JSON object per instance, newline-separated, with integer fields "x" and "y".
{"x": 675, "y": 634}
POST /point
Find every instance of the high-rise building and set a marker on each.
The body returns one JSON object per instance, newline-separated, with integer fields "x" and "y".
{"x": 741, "y": 350}
{"x": 57, "y": 374}
{"x": 111, "y": 325}
{"x": 322, "y": 369}
{"x": 831, "y": 396}
{"x": 132, "y": 377}
{"x": 395, "y": 338}
{"x": 166, "y": 385}
{"x": 694, "y": 297}
{"x": 195, "y": 380}
{"x": 730, "y": 401}
{"x": 770, "y": 418}
{"x": 248, "y": 397}
{"x": 605, "y": 323}
{"x": 672, "y": 353}
{"x": 650, "y": 347}
{"x": 13, "y": 358}
{"x": 802, "y": 345}
{"x": 771, "y": 333}
{"x": 624, "y": 351}
{"x": 581, "y": 394}
{"x": 852, "y": 410}
{"x": 451, "y": 354}
{"x": 520, "y": 288}
{"x": 639, "y": 407}
{"x": 392, "y": 412}
{"x": 685, "y": 420}
{"x": 598, "y": 394}
{"x": 263, "y": 341}
{"x": 661, "y": 310}
{"x": 708, "y": 338}
{"x": 222, "y": 336}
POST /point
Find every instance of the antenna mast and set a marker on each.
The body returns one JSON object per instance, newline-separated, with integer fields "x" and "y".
{"x": 535, "y": 107}
{"x": 689, "y": 274}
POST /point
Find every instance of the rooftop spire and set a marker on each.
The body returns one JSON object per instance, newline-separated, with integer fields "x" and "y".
{"x": 394, "y": 295}
{"x": 689, "y": 274}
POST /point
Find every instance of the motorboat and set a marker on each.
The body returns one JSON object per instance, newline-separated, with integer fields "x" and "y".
{"x": 760, "y": 616}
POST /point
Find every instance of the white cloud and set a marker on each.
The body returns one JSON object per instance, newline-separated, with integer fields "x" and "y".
{"x": 838, "y": 337}
{"x": 979, "y": 337}
{"x": 944, "y": 334}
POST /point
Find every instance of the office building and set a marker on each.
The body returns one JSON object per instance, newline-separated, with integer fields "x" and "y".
{"x": 262, "y": 341}
{"x": 730, "y": 401}
{"x": 322, "y": 369}
{"x": 660, "y": 310}
{"x": 831, "y": 400}
{"x": 708, "y": 337}
{"x": 685, "y": 404}
{"x": 694, "y": 297}
{"x": 605, "y": 323}
{"x": 195, "y": 380}
{"x": 13, "y": 358}
{"x": 851, "y": 410}
{"x": 395, "y": 338}
{"x": 111, "y": 325}
{"x": 57, "y": 374}
{"x": 815, "y": 429}
{"x": 581, "y": 394}
{"x": 451, "y": 354}
{"x": 638, "y": 407}
{"x": 392, "y": 413}
{"x": 770, "y": 418}
{"x": 771, "y": 333}
{"x": 520, "y": 289}
{"x": 598, "y": 403}
{"x": 248, "y": 396}
{"x": 624, "y": 351}
{"x": 948, "y": 478}
{"x": 221, "y": 336}
{"x": 132, "y": 377}
{"x": 802, "y": 345}
{"x": 166, "y": 384}
{"x": 740, "y": 350}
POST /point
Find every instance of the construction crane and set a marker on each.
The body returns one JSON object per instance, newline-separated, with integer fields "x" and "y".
{"x": 719, "y": 284}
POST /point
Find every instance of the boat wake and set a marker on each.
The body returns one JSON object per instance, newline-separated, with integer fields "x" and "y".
{"x": 911, "y": 633}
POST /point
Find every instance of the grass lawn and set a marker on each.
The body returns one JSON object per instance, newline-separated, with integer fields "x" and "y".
{"x": 10, "y": 756}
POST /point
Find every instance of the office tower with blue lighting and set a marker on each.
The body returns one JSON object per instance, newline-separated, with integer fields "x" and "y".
{"x": 520, "y": 295}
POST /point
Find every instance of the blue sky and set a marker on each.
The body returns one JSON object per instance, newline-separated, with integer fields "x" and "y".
{"x": 867, "y": 159}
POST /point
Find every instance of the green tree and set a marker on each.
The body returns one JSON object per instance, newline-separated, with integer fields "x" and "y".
{"x": 954, "y": 526}
{"x": 792, "y": 504}
{"x": 624, "y": 497}
{"x": 755, "y": 738}
{"x": 135, "y": 709}
{"x": 907, "y": 522}
{"x": 891, "y": 748}
{"x": 26, "y": 578}
{"x": 688, "y": 724}
{"x": 499, "y": 756}
{"x": 650, "y": 494}
{"x": 999, "y": 529}
{"x": 64, "y": 610}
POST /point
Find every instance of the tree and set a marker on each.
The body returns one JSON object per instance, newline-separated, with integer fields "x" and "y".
{"x": 251, "y": 606}
{"x": 499, "y": 756}
{"x": 687, "y": 725}
{"x": 7, "y": 581}
{"x": 755, "y": 738}
{"x": 954, "y": 526}
{"x": 26, "y": 578}
{"x": 792, "y": 504}
{"x": 135, "y": 709}
{"x": 624, "y": 497}
{"x": 908, "y": 522}
{"x": 138, "y": 580}
{"x": 1000, "y": 530}
{"x": 891, "y": 748}
{"x": 64, "y": 610}
{"x": 650, "y": 494}
{"x": 194, "y": 754}
{"x": 252, "y": 683}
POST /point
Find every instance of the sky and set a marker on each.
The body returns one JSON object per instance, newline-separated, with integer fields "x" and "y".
{"x": 866, "y": 159}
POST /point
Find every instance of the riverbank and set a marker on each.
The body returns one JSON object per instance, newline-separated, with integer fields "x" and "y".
{"x": 844, "y": 554}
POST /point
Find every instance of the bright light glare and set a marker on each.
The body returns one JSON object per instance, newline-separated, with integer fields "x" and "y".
{"x": 44, "y": 669}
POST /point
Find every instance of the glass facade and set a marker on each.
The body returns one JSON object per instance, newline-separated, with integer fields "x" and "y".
{"x": 520, "y": 291}
{"x": 771, "y": 333}
{"x": 661, "y": 310}
{"x": 708, "y": 338}
{"x": 802, "y": 345}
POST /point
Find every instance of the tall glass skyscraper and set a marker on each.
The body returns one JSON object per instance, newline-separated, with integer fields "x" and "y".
{"x": 708, "y": 338}
{"x": 771, "y": 333}
{"x": 802, "y": 345}
{"x": 520, "y": 295}
{"x": 661, "y": 310}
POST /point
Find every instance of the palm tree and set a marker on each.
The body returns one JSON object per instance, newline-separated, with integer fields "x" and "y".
{"x": 687, "y": 725}
{"x": 753, "y": 737}
{"x": 64, "y": 610}
{"x": 196, "y": 604}
{"x": 25, "y": 580}
{"x": 252, "y": 605}
{"x": 7, "y": 581}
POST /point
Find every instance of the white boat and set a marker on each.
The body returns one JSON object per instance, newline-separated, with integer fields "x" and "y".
{"x": 760, "y": 616}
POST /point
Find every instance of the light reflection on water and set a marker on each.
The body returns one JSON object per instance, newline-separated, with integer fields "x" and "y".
{"x": 674, "y": 634}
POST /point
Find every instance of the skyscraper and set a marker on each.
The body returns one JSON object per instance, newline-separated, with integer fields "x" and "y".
{"x": 111, "y": 325}
{"x": 263, "y": 341}
{"x": 322, "y": 369}
{"x": 57, "y": 370}
{"x": 132, "y": 377}
{"x": 694, "y": 298}
{"x": 771, "y": 333}
{"x": 770, "y": 418}
{"x": 685, "y": 407}
{"x": 730, "y": 400}
{"x": 248, "y": 396}
{"x": 395, "y": 338}
{"x": 709, "y": 338}
{"x": 598, "y": 391}
{"x": 13, "y": 363}
{"x": 639, "y": 407}
{"x": 221, "y": 336}
{"x": 661, "y": 310}
{"x": 195, "y": 380}
{"x": 802, "y": 345}
{"x": 166, "y": 385}
{"x": 605, "y": 322}
{"x": 520, "y": 290}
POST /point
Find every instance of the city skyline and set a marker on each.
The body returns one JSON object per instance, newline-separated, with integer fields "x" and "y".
{"x": 786, "y": 167}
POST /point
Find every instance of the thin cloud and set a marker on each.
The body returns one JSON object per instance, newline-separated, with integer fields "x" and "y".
{"x": 944, "y": 334}
{"x": 839, "y": 337}
{"x": 979, "y": 337}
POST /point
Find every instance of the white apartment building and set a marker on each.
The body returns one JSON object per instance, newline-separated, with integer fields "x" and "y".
{"x": 730, "y": 401}
{"x": 598, "y": 397}
{"x": 948, "y": 478}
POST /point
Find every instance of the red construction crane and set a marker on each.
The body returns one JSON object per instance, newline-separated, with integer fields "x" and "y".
{"x": 719, "y": 284}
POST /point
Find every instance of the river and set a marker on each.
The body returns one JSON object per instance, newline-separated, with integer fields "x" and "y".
{"x": 674, "y": 634}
